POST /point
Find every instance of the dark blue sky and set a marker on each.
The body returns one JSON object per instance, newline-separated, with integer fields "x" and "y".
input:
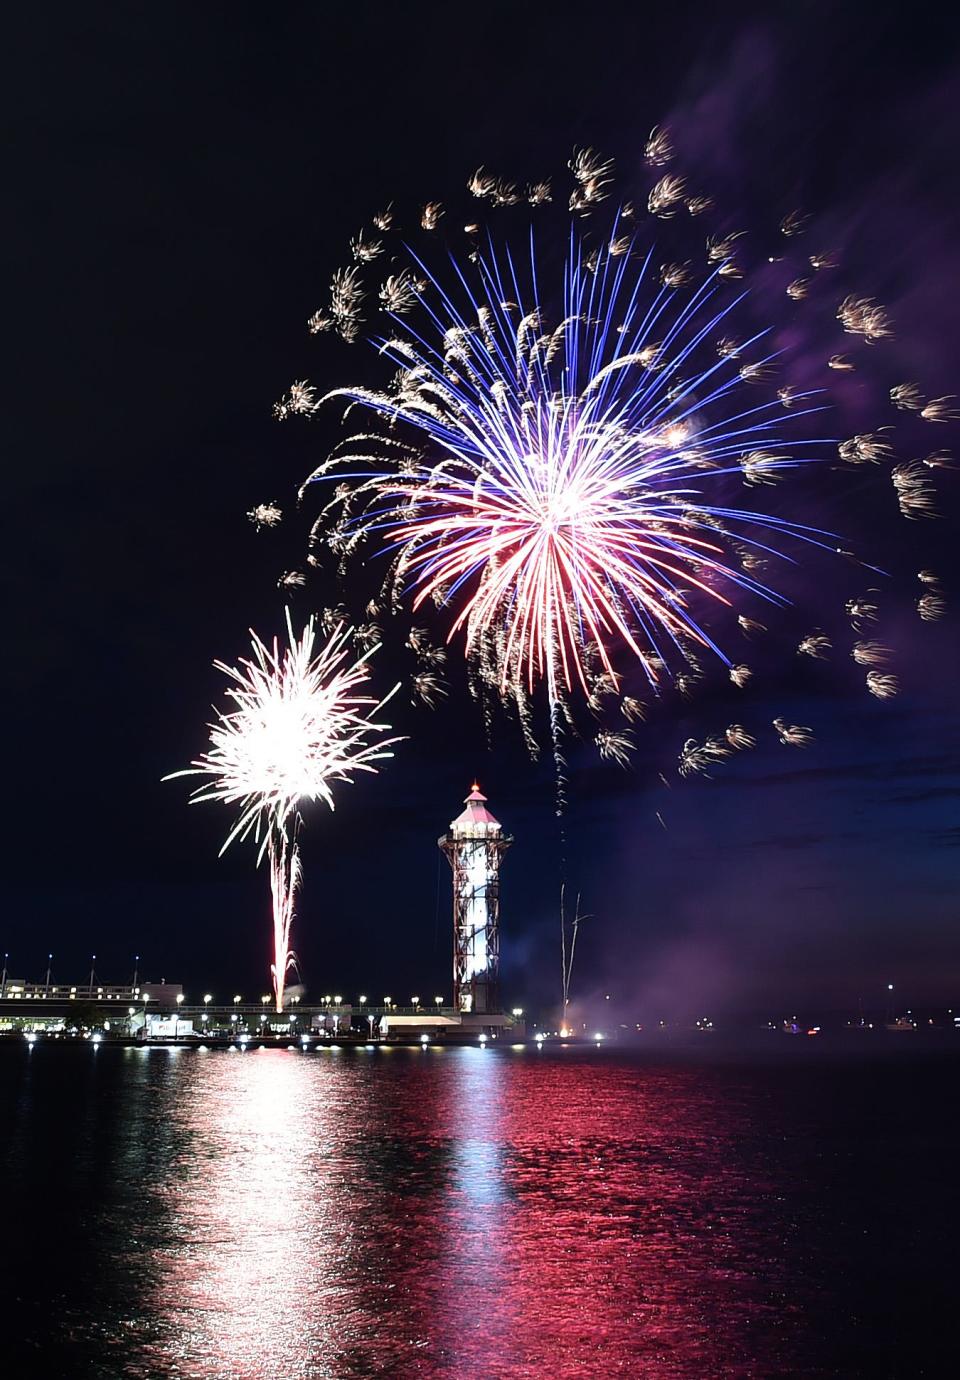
{"x": 186, "y": 178}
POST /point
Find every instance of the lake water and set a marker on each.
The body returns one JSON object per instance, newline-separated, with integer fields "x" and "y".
{"x": 272, "y": 1215}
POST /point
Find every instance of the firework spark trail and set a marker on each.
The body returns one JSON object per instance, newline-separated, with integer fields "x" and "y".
{"x": 816, "y": 645}
{"x": 285, "y": 878}
{"x": 298, "y": 725}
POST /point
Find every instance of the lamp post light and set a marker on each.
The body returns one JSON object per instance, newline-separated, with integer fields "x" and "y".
{"x": 3, "y": 979}
{"x": 237, "y": 1000}
{"x": 414, "y": 1002}
{"x": 517, "y": 1012}
{"x": 180, "y": 998}
{"x": 49, "y": 964}
{"x": 363, "y": 1001}
{"x": 439, "y": 1002}
{"x": 207, "y": 998}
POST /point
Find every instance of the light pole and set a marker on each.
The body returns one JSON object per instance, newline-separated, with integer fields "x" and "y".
{"x": 3, "y": 980}
{"x": 136, "y": 972}
{"x": 439, "y": 1002}
{"x": 49, "y": 963}
{"x": 93, "y": 959}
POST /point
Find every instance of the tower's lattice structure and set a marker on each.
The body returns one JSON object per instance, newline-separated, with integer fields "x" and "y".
{"x": 474, "y": 846}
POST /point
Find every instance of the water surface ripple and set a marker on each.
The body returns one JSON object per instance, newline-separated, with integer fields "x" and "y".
{"x": 447, "y": 1213}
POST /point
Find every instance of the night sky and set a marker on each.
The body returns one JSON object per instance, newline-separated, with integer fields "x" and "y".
{"x": 186, "y": 178}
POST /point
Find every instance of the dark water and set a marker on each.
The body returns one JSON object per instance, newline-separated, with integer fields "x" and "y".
{"x": 467, "y": 1213}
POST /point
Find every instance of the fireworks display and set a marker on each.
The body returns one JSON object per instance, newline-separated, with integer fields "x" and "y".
{"x": 298, "y": 725}
{"x": 598, "y": 445}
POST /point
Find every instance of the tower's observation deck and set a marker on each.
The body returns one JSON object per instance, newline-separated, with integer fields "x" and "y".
{"x": 474, "y": 846}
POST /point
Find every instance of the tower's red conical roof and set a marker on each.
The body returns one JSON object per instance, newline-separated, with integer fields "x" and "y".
{"x": 476, "y": 811}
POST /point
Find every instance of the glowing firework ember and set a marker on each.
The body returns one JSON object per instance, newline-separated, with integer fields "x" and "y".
{"x": 580, "y": 457}
{"x": 299, "y": 724}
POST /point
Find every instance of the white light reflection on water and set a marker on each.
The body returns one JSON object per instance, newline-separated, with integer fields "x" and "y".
{"x": 253, "y": 1212}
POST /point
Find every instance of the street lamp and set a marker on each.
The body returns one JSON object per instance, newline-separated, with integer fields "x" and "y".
{"x": 179, "y": 998}
{"x": 363, "y": 1001}
{"x": 518, "y": 1011}
{"x": 208, "y": 998}
{"x": 439, "y": 1001}
{"x": 414, "y": 1002}
{"x": 236, "y": 1001}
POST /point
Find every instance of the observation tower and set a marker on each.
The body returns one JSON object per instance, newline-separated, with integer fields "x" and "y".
{"x": 474, "y": 846}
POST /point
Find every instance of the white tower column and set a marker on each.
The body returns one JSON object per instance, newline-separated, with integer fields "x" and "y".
{"x": 474, "y": 846}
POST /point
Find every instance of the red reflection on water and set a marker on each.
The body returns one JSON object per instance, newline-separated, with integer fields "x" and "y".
{"x": 461, "y": 1212}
